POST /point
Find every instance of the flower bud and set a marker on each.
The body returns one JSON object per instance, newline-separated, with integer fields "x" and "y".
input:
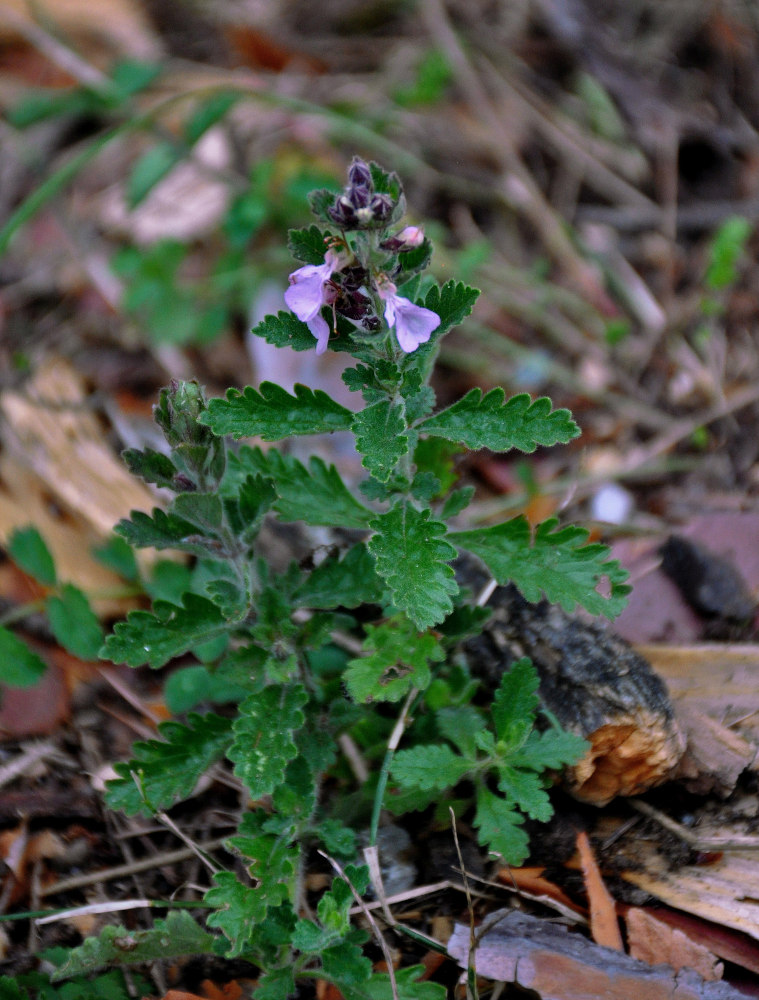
{"x": 382, "y": 206}
{"x": 196, "y": 450}
{"x": 407, "y": 239}
{"x": 359, "y": 174}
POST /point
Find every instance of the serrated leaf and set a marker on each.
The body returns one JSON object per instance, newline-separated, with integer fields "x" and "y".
{"x": 339, "y": 840}
{"x": 315, "y": 494}
{"x": 20, "y": 667}
{"x": 309, "y": 937}
{"x": 157, "y": 637}
{"x": 320, "y": 200}
{"x": 458, "y": 501}
{"x": 285, "y": 330}
{"x": 149, "y": 169}
{"x": 557, "y": 563}
{"x": 202, "y": 510}
{"x": 412, "y": 555}
{"x": 345, "y": 964}
{"x": 436, "y": 455}
{"x": 263, "y": 744}
{"x": 308, "y": 245}
{"x": 500, "y": 827}
{"x": 552, "y": 749}
{"x": 487, "y": 421}
{"x": 429, "y": 768}
{"x": 380, "y": 439}
{"x": 276, "y": 984}
{"x": 399, "y": 659}
{"x": 273, "y": 414}
{"x": 341, "y": 582}
{"x": 453, "y": 303}
{"x": 167, "y": 769}
{"x": 177, "y": 935}
{"x": 150, "y": 465}
{"x": 246, "y": 510}
{"x": 157, "y": 531}
{"x": 525, "y": 788}
{"x": 460, "y": 724}
{"x": 407, "y": 985}
{"x": 29, "y": 551}
{"x": 75, "y": 625}
{"x": 240, "y": 909}
{"x": 515, "y": 704}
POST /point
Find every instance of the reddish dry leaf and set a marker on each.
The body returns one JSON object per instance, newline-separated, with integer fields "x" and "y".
{"x": 604, "y": 926}
{"x": 531, "y": 881}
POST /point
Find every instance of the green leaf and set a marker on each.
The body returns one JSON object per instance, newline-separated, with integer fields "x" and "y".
{"x": 515, "y": 704}
{"x": 399, "y": 659}
{"x": 308, "y": 245}
{"x": 274, "y": 414}
{"x": 190, "y": 686}
{"x": 346, "y": 965}
{"x": 157, "y": 637}
{"x": 339, "y": 840}
{"x": 177, "y": 935}
{"x": 149, "y": 169}
{"x": 556, "y": 563}
{"x": 264, "y": 729}
{"x": 315, "y": 494}
{"x": 341, "y": 582}
{"x": 429, "y": 768}
{"x": 159, "y": 531}
{"x": 166, "y": 770}
{"x": 75, "y": 625}
{"x": 246, "y": 510}
{"x": 20, "y": 667}
{"x": 202, "y": 510}
{"x": 240, "y": 909}
{"x": 276, "y": 984}
{"x": 320, "y": 201}
{"x": 460, "y": 724}
{"x": 500, "y": 827}
{"x": 412, "y": 556}
{"x": 28, "y": 550}
{"x": 452, "y": 303}
{"x": 380, "y": 438}
{"x": 487, "y": 421}
{"x": 152, "y": 466}
{"x": 285, "y": 330}
{"x": 208, "y": 112}
{"x": 525, "y": 788}
{"x": 551, "y": 749}
{"x": 457, "y": 501}
{"x": 436, "y": 455}
{"x": 407, "y": 984}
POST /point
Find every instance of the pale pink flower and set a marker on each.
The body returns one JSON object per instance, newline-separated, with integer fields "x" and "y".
{"x": 413, "y": 324}
{"x": 310, "y": 290}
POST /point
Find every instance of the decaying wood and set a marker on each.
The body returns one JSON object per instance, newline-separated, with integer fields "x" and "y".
{"x": 721, "y": 680}
{"x": 723, "y": 891}
{"x": 534, "y": 954}
{"x": 595, "y": 684}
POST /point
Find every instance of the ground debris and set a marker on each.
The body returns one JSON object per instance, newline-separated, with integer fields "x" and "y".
{"x": 537, "y": 955}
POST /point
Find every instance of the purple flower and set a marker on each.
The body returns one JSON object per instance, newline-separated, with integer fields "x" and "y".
{"x": 310, "y": 290}
{"x": 413, "y": 324}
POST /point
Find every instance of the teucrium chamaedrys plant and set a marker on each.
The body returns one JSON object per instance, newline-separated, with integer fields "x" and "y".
{"x": 360, "y": 290}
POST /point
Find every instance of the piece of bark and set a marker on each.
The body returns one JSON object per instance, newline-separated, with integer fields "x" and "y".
{"x": 715, "y": 756}
{"x": 595, "y": 684}
{"x": 537, "y": 955}
{"x": 656, "y": 942}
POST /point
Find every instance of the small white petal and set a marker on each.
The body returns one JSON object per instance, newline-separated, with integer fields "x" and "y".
{"x": 320, "y": 329}
{"x": 413, "y": 324}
